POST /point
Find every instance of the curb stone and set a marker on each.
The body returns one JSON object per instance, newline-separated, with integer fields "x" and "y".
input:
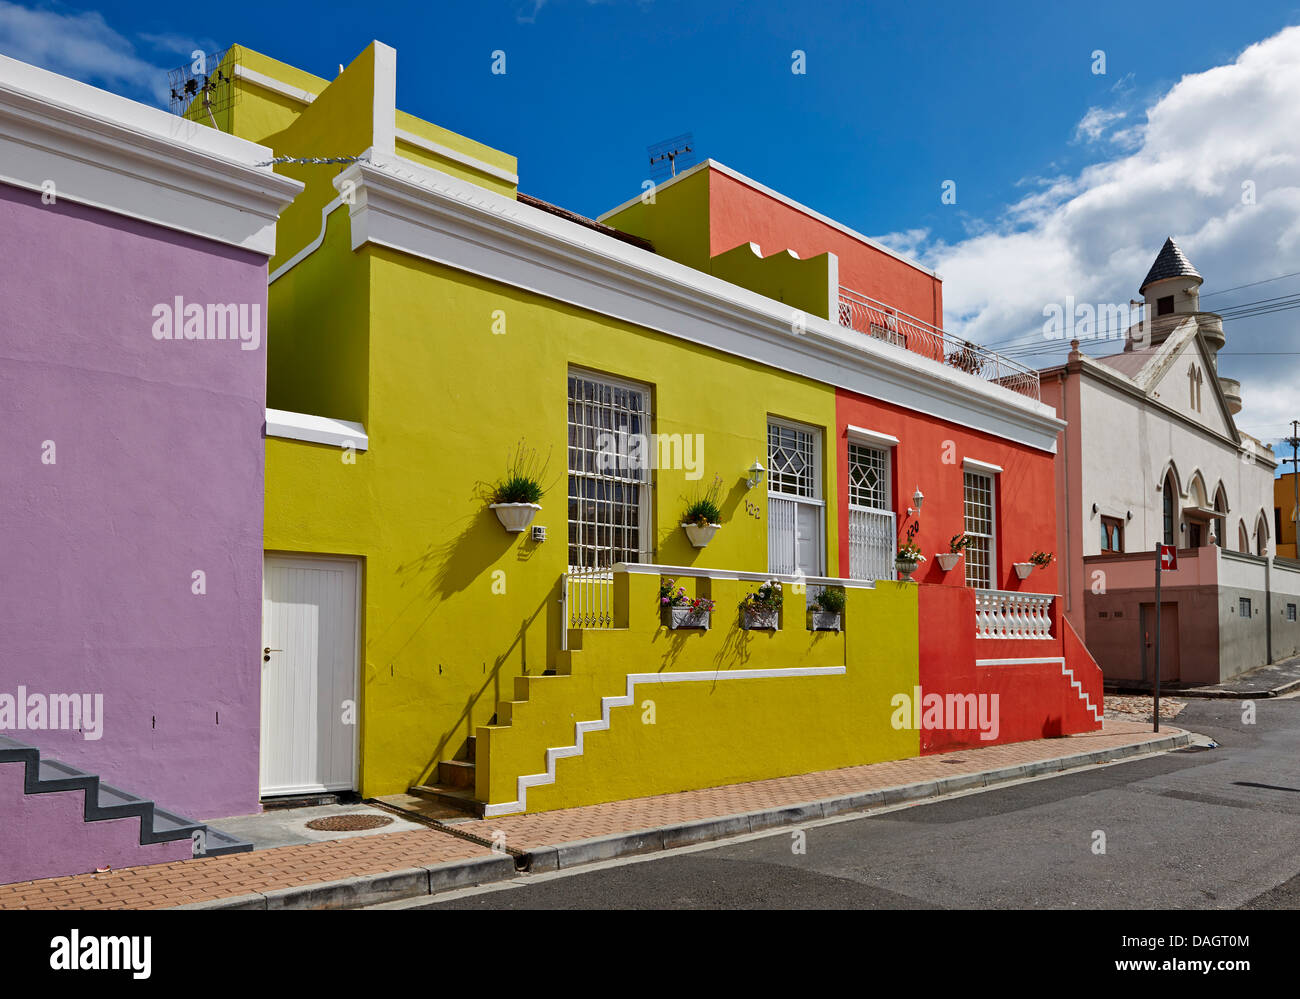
{"x": 415, "y": 882}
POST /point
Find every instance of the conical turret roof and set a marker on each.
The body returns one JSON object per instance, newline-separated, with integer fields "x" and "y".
{"x": 1170, "y": 262}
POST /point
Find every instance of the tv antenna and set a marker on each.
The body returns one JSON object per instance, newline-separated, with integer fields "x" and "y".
{"x": 667, "y": 156}
{"x": 203, "y": 87}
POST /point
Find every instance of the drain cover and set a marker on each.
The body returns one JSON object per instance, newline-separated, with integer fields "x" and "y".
{"x": 348, "y": 823}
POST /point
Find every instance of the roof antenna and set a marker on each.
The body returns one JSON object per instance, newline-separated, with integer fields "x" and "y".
{"x": 676, "y": 151}
{"x": 194, "y": 92}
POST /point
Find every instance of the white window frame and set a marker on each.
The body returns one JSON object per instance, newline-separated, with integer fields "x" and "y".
{"x": 817, "y": 500}
{"x": 647, "y": 534}
{"x": 884, "y": 443}
{"x": 990, "y": 472}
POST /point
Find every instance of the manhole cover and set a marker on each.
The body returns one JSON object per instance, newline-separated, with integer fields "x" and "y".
{"x": 348, "y": 823}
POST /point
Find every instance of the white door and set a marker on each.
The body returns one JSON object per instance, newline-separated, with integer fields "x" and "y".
{"x": 309, "y": 674}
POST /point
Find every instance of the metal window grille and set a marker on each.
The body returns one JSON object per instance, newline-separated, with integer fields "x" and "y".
{"x": 792, "y": 461}
{"x": 871, "y": 523}
{"x": 979, "y": 528}
{"x": 1290, "y": 612}
{"x": 1243, "y": 606}
{"x": 609, "y": 474}
{"x": 868, "y": 477}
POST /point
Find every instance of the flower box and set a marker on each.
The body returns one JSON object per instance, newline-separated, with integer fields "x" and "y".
{"x": 760, "y": 618}
{"x": 686, "y": 617}
{"x": 515, "y": 517}
{"x": 820, "y": 620}
{"x": 700, "y": 534}
{"x": 1023, "y": 569}
{"x": 947, "y": 560}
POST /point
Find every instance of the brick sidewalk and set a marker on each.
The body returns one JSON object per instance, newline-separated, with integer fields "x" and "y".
{"x": 166, "y": 885}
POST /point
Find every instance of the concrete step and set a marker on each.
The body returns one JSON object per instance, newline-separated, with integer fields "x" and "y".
{"x": 456, "y": 773}
{"x": 458, "y": 797}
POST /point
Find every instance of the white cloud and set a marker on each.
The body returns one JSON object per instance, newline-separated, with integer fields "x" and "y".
{"x": 1093, "y": 125}
{"x": 82, "y": 46}
{"x": 1094, "y": 234}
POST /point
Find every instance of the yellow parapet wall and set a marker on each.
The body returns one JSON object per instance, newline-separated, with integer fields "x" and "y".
{"x": 707, "y": 707}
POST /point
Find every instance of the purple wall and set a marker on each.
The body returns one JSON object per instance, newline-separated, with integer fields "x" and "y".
{"x": 68, "y": 845}
{"x": 158, "y": 473}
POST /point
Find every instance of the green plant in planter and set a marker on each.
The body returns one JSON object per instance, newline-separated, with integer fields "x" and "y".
{"x": 957, "y": 543}
{"x": 523, "y": 479}
{"x": 706, "y": 509}
{"x": 830, "y": 600}
{"x": 1042, "y": 559}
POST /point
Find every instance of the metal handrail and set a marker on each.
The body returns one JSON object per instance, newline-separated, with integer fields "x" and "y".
{"x": 876, "y": 319}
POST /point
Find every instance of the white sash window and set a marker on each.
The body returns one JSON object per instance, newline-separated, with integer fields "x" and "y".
{"x": 981, "y": 556}
{"x": 872, "y": 524}
{"x": 795, "y": 509}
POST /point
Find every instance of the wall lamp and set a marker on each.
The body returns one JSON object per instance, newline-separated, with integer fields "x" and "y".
{"x": 756, "y": 473}
{"x": 917, "y": 499}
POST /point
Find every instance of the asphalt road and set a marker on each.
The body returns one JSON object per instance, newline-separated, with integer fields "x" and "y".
{"x": 1210, "y": 829}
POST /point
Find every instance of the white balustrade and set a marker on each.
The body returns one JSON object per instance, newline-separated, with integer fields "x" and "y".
{"x": 1006, "y": 614}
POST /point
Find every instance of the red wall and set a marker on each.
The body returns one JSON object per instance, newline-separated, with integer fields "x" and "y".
{"x": 1025, "y": 501}
{"x": 1035, "y": 700}
{"x": 739, "y": 214}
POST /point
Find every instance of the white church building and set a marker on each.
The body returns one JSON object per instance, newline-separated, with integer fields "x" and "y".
{"x": 1151, "y": 455}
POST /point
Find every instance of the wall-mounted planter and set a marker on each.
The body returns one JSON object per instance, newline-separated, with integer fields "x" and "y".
{"x": 685, "y": 617}
{"x": 760, "y": 618}
{"x": 905, "y": 569}
{"x": 820, "y": 620}
{"x": 947, "y": 560}
{"x": 515, "y": 517}
{"x": 1023, "y": 569}
{"x": 700, "y": 534}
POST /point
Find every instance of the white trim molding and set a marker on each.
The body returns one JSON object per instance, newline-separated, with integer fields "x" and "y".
{"x": 981, "y": 466}
{"x": 464, "y": 159}
{"x": 316, "y": 429}
{"x": 273, "y": 85}
{"x": 649, "y": 569}
{"x": 607, "y": 704}
{"x": 326, "y": 211}
{"x": 418, "y": 210}
{"x": 120, "y": 156}
{"x": 871, "y": 436}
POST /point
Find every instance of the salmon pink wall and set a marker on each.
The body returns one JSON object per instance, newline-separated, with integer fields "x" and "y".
{"x": 929, "y": 455}
{"x": 740, "y": 214}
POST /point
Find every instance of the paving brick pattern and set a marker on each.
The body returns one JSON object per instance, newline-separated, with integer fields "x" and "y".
{"x": 165, "y": 885}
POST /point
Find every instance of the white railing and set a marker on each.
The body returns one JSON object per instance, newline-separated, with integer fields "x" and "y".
{"x": 1003, "y": 614}
{"x": 872, "y": 537}
{"x": 589, "y": 598}
{"x": 866, "y": 315}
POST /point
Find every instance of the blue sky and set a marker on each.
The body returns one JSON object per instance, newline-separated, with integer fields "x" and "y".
{"x": 1067, "y": 180}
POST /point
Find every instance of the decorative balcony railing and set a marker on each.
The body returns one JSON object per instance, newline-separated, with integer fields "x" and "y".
{"x": 866, "y": 315}
{"x": 1005, "y": 614}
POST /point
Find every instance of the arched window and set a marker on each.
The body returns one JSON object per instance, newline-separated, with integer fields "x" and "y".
{"x": 1243, "y": 538}
{"x": 1167, "y": 505}
{"x": 1261, "y": 535}
{"x": 1221, "y": 521}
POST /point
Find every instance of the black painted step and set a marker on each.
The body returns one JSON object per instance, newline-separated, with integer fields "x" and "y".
{"x": 103, "y": 801}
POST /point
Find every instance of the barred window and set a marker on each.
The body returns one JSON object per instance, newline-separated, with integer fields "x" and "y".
{"x": 979, "y": 528}
{"x": 609, "y": 475}
{"x": 868, "y": 476}
{"x": 791, "y": 460}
